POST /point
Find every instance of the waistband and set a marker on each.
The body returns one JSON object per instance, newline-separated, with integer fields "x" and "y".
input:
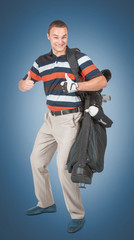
{"x": 63, "y": 112}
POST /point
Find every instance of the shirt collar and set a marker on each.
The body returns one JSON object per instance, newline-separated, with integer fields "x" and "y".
{"x": 52, "y": 54}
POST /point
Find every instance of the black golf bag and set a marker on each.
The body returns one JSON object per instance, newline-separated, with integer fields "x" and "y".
{"x": 87, "y": 153}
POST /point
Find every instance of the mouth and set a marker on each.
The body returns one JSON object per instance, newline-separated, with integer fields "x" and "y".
{"x": 60, "y": 45}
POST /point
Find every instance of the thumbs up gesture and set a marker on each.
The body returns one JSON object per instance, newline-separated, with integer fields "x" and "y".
{"x": 27, "y": 84}
{"x": 68, "y": 86}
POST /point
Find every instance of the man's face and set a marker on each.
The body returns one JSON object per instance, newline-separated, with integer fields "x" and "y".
{"x": 58, "y": 38}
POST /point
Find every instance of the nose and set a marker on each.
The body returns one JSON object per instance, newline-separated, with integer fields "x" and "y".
{"x": 60, "y": 41}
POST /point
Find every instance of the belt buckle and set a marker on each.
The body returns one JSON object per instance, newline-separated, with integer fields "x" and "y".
{"x": 58, "y": 113}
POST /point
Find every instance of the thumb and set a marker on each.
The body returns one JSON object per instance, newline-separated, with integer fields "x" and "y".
{"x": 67, "y": 77}
{"x": 29, "y": 76}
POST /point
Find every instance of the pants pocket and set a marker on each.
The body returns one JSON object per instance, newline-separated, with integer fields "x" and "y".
{"x": 76, "y": 117}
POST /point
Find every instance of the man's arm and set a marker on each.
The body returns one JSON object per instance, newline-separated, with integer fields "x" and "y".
{"x": 94, "y": 84}
{"x": 26, "y": 84}
{"x": 94, "y": 80}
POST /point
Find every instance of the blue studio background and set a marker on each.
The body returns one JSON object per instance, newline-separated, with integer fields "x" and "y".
{"x": 104, "y": 30}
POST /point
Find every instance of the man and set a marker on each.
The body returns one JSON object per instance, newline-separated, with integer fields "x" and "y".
{"x": 61, "y": 122}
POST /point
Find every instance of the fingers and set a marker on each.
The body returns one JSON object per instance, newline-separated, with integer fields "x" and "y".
{"x": 30, "y": 83}
{"x": 28, "y": 88}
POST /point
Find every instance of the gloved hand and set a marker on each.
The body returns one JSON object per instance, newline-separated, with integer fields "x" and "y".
{"x": 69, "y": 86}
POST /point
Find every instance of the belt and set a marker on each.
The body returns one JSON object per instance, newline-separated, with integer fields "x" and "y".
{"x": 63, "y": 112}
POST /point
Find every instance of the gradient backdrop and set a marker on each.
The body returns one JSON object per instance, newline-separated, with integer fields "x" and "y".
{"x": 105, "y": 31}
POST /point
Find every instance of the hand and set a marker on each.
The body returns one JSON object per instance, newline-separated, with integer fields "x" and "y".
{"x": 68, "y": 86}
{"x": 92, "y": 110}
{"x": 27, "y": 84}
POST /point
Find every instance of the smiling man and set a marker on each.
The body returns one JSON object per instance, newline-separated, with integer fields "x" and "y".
{"x": 61, "y": 124}
{"x": 58, "y": 38}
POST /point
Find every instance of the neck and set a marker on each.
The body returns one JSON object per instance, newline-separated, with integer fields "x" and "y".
{"x": 58, "y": 54}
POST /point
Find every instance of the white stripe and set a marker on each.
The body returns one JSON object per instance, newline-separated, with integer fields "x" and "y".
{"x": 60, "y": 98}
{"x": 35, "y": 65}
{"x": 53, "y": 65}
{"x": 83, "y": 60}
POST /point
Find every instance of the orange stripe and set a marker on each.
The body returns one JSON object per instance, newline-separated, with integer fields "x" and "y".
{"x": 57, "y": 75}
{"x": 89, "y": 69}
{"x": 51, "y": 108}
{"x": 35, "y": 76}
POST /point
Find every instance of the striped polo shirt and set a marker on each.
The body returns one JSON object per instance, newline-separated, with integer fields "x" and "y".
{"x": 51, "y": 70}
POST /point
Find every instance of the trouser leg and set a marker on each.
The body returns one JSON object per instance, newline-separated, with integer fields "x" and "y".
{"x": 71, "y": 191}
{"x": 43, "y": 150}
{"x": 66, "y": 135}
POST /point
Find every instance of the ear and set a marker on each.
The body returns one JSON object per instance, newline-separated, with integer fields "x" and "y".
{"x": 48, "y": 36}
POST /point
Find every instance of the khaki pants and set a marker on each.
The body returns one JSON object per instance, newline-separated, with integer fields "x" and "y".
{"x": 57, "y": 132}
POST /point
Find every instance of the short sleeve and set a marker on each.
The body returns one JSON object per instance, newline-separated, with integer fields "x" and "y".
{"x": 34, "y": 71}
{"x": 88, "y": 70}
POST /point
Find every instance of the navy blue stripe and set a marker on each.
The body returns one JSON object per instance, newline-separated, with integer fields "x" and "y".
{"x": 80, "y": 55}
{"x": 63, "y": 104}
{"x": 85, "y": 64}
{"x": 46, "y": 62}
{"x": 91, "y": 74}
{"x": 34, "y": 70}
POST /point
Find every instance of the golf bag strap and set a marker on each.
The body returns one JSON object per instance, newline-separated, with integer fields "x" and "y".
{"x": 72, "y": 59}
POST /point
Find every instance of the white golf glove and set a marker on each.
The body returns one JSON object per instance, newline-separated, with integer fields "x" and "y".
{"x": 69, "y": 86}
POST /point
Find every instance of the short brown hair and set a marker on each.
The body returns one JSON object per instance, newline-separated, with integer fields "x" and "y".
{"x": 57, "y": 23}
